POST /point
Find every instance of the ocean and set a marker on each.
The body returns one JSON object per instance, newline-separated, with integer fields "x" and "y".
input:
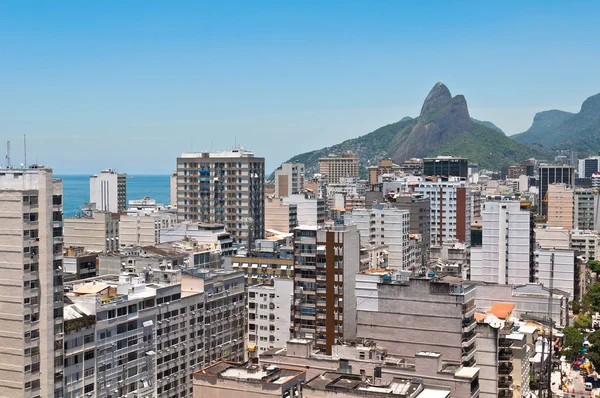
{"x": 76, "y": 190}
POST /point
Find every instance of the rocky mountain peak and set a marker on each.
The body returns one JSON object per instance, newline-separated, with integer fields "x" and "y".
{"x": 437, "y": 98}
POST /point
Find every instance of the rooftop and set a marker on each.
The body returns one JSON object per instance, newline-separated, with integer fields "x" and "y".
{"x": 501, "y": 310}
{"x": 354, "y": 384}
{"x": 249, "y": 372}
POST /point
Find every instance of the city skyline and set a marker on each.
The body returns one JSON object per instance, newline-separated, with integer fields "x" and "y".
{"x": 93, "y": 85}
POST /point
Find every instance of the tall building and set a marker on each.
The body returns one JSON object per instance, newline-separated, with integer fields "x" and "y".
{"x": 385, "y": 226}
{"x": 419, "y": 208}
{"x": 310, "y": 210}
{"x": 108, "y": 191}
{"x": 144, "y": 221}
{"x": 583, "y": 212}
{"x": 223, "y": 187}
{"x": 560, "y": 206}
{"x": 341, "y": 165}
{"x": 94, "y": 230}
{"x": 289, "y": 179}
{"x": 31, "y": 329}
{"x": 556, "y": 268}
{"x": 270, "y": 315}
{"x": 407, "y": 316}
{"x": 279, "y": 216}
{"x": 588, "y": 166}
{"x": 326, "y": 261}
{"x": 445, "y": 167}
{"x": 504, "y": 255}
{"x": 549, "y": 174}
{"x": 126, "y": 335}
{"x": 450, "y": 210}
{"x": 173, "y": 189}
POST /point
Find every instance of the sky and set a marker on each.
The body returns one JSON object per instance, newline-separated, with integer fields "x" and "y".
{"x": 130, "y": 85}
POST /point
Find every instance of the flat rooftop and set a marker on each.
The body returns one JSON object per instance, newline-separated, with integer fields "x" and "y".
{"x": 352, "y": 384}
{"x": 248, "y": 372}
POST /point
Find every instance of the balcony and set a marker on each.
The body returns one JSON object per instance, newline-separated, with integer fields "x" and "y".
{"x": 505, "y": 355}
{"x": 505, "y": 368}
{"x": 469, "y": 325}
{"x": 505, "y": 383}
{"x": 468, "y": 339}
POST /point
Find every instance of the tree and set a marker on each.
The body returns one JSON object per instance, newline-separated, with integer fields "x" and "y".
{"x": 583, "y": 322}
{"x": 593, "y": 297}
{"x": 575, "y": 306}
{"x": 594, "y": 339}
{"x": 594, "y": 357}
{"x": 573, "y": 341}
{"x": 594, "y": 265}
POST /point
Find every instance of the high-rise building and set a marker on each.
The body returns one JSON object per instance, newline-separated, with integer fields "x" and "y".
{"x": 419, "y": 208}
{"x": 144, "y": 221}
{"x": 279, "y": 216}
{"x": 560, "y": 206}
{"x": 384, "y": 167}
{"x": 549, "y": 174}
{"x": 588, "y": 166}
{"x": 94, "y": 230}
{"x": 310, "y": 210}
{"x": 407, "y": 316}
{"x": 385, "y": 226}
{"x": 31, "y": 328}
{"x": 223, "y": 187}
{"x": 289, "y": 179}
{"x": 556, "y": 268}
{"x": 270, "y": 315}
{"x": 173, "y": 189}
{"x": 108, "y": 191}
{"x": 445, "y": 167}
{"x": 503, "y": 256}
{"x": 341, "y": 165}
{"x": 326, "y": 261}
{"x": 450, "y": 210}
{"x": 583, "y": 212}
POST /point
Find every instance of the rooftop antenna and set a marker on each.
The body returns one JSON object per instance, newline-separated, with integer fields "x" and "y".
{"x": 25, "y": 149}
{"x": 8, "y": 154}
{"x": 235, "y": 142}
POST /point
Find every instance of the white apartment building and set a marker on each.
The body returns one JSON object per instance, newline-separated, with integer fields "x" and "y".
{"x": 558, "y": 265}
{"x": 387, "y": 226}
{"x": 583, "y": 212}
{"x": 94, "y": 230}
{"x": 173, "y": 189}
{"x": 552, "y": 237}
{"x": 224, "y": 187}
{"x": 289, "y": 179}
{"x": 585, "y": 244}
{"x": 450, "y": 210}
{"x": 503, "y": 256}
{"x": 108, "y": 191}
{"x": 269, "y": 316}
{"x": 31, "y": 303}
{"x": 209, "y": 234}
{"x": 309, "y": 209}
{"x": 144, "y": 222}
{"x": 126, "y": 336}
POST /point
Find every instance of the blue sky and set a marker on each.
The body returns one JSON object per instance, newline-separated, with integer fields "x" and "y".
{"x": 130, "y": 85}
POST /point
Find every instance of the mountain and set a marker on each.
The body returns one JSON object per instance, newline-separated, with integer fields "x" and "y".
{"x": 556, "y": 129}
{"x": 444, "y": 127}
{"x": 488, "y": 124}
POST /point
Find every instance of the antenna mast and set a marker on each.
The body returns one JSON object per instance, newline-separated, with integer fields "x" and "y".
{"x": 25, "y": 149}
{"x": 8, "y": 154}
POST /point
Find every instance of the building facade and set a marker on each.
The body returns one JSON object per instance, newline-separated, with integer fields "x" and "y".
{"x": 310, "y": 210}
{"x": 223, "y": 187}
{"x": 289, "y": 179}
{"x": 560, "y": 206}
{"x": 504, "y": 256}
{"x": 326, "y": 261}
{"x": 549, "y": 174}
{"x": 94, "y": 230}
{"x": 280, "y": 217}
{"x": 31, "y": 330}
{"x": 341, "y": 165}
{"x": 108, "y": 191}
{"x": 583, "y": 213}
{"x": 445, "y": 167}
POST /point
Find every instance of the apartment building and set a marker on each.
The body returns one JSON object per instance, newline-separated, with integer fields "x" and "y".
{"x": 108, "y": 191}
{"x": 31, "y": 324}
{"x": 310, "y": 210}
{"x": 289, "y": 179}
{"x": 337, "y": 166}
{"x": 385, "y": 226}
{"x": 250, "y": 380}
{"x": 224, "y": 187}
{"x": 585, "y": 244}
{"x": 79, "y": 264}
{"x": 504, "y": 256}
{"x": 583, "y": 212}
{"x": 552, "y": 238}
{"x": 128, "y": 335}
{"x": 372, "y": 361}
{"x": 384, "y": 167}
{"x": 173, "y": 189}
{"x": 445, "y": 167}
{"x": 267, "y": 262}
{"x": 326, "y": 261}
{"x": 269, "y": 317}
{"x": 144, "y": 221}
{"x": 412, "y": 315}
{"x": 549, "y": 174}
{"x": 94, "y": 230}
{"x": 588, "y": 166}
{"x": 450, "y": 214}
{"x": 560, "y": 206}
{"x": 556, "y": 268}
{"x": 279, "y": 216}
{"x": 419, "y": 208}
{"x": 209, "y": 234}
